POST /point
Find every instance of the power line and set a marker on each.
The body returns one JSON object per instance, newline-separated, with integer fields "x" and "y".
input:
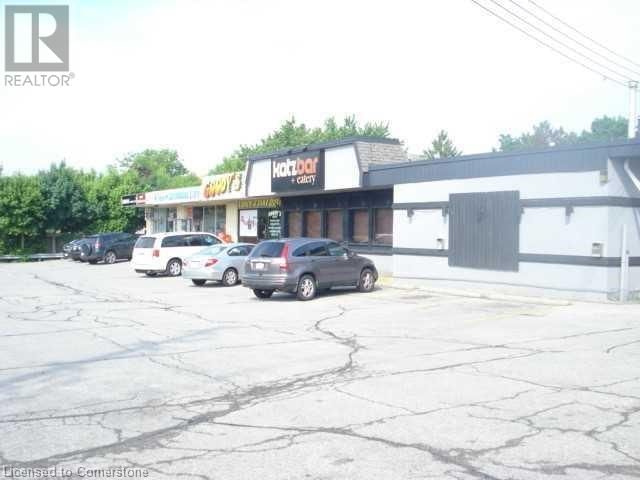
{"x": 583, "y": 45}
{"x": 568, "y": 47}
{"x": 551, "y": 47}
{"x": 584, "y": 35}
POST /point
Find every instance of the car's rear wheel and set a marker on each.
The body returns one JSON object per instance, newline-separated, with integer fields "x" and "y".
{"x": 198, "y": 282}
{"x": 110, "y": 257}
{"x": 262, "y": 293}
{"x": 367, "y": 280}
{"x": 229, "y": 277}
{"x": 307, "y": 288}
{"x": 174, "y": 267}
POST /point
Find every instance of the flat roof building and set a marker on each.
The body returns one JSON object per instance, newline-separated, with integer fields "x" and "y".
{"x": 562, "y": 221}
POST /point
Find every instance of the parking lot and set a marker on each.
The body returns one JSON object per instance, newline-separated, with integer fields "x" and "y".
{"x": 104, "y": 369}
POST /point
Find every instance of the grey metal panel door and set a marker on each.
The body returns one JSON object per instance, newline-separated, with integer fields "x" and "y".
{"x": 484, "y": 230}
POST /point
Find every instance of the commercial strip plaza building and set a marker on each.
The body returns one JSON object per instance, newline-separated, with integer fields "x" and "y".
{"x": 561, "y": 220}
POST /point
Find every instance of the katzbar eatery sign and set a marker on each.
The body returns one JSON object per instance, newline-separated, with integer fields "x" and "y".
{"x": 297, "y": 173}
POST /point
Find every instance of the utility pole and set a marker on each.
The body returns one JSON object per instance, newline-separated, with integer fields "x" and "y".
{"x": 633, "y": 107}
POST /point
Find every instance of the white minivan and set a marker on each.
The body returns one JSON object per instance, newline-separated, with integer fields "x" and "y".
{"x": 165, "y": 252}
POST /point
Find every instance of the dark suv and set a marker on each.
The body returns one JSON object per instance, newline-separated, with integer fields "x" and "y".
{"x": 107, "y": 247}
{"x": 304, "y": 266}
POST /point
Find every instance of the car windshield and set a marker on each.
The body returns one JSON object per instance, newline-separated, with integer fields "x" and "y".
{"x": 214, "y": 250}
{"x": 268, "y": 249}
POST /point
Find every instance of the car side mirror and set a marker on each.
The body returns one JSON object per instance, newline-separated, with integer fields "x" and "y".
{"x": 348, "y": 254}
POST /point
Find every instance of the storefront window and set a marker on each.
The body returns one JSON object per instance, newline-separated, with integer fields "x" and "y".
{"x": 294, "y": 220}
{"x": 209, "y": 220}
{"x": 215, "y": 219}
{"x": 334, "y": 225}
{"x": 197, "y": 219}
{"x": 383, "y": 226}
{"x": 360, "y": 225}
{"x": 172, "y": 214}
{"x": 221, "y": 219}
{"x": 157, "y": 219}
{"x": 184, "y": 224}
{"x": 313, "y": 224}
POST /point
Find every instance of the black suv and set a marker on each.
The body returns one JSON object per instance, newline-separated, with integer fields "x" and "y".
{"x": 107, "y": 247}
{"x": 72, "y": 249}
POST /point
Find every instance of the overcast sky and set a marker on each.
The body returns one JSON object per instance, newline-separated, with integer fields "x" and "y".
{"x": 205, "y": 76}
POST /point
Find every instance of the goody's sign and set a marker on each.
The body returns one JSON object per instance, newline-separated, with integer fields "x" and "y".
{"x": 299, "y": 172}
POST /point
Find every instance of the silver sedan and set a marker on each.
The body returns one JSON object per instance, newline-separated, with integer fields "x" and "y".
{"x": 222, "y": 263}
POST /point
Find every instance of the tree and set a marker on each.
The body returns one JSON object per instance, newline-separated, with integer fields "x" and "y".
{"x": 543, "y": 135}
{"x": 64, "y": 192}
{"x": 606, "y": 129}
{"x": 159, "y": 169}
{"x": 442, "y": 147}
{"x": 21, "y": 208}
{"x": 293, "y": 134}
{"x": 104, "y": 196}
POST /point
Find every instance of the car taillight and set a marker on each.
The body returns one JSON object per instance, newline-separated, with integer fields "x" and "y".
{"x": 155, "y": 253}
{"x": 210, "y": 262}
{"x": 284, "y": 266}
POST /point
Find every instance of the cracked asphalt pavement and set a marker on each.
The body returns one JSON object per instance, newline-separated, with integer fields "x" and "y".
{"x": 102, "y": 368}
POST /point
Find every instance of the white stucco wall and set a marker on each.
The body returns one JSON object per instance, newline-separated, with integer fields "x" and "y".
{"x": 383, "y": 263}
{"x": 421, "y": 230}
{"x": 543, "y": 185}
{"x": 341, "y": 168}
{"x": 551, "y": 231}
{"x": 259, "y": 179}
{"x": 569, "y": 279}
{"x": 232, "y": 220}
{"x": 542, "y": 231}
{"x": 619, "y": 184}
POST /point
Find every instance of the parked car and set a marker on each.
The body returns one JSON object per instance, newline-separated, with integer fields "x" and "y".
{"x": 68, "y": 247}
{"x": 304, "y": 266}
{"x": 107, "y": 247}
{"x": 222, "y": 263}
{"x": 75, "y": 252}
{"x": 165, "y": 252}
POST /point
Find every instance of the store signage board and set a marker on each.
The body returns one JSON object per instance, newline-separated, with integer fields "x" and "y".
{"x": 298, "y": 173}
{"x": 128, "y": 200}
{"x": 223, "y": 186}
{"x": 273, "y": 203}
{"x": 248, "y": 223}
{"x": 274, "y": 224}
{"x": 176, "y": 195}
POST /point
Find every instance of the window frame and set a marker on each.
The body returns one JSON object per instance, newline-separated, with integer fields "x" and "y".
{"x": 344, "y": 249}
{"x": 341, "y": 212}
{"x": 373, "y": 228}
{"x": 352, "y": 213}
{"x": 181, "y": 238}
{"x": 320, "y": 243}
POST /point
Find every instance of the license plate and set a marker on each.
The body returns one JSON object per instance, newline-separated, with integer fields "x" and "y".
{"x": 258, "y": 266}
